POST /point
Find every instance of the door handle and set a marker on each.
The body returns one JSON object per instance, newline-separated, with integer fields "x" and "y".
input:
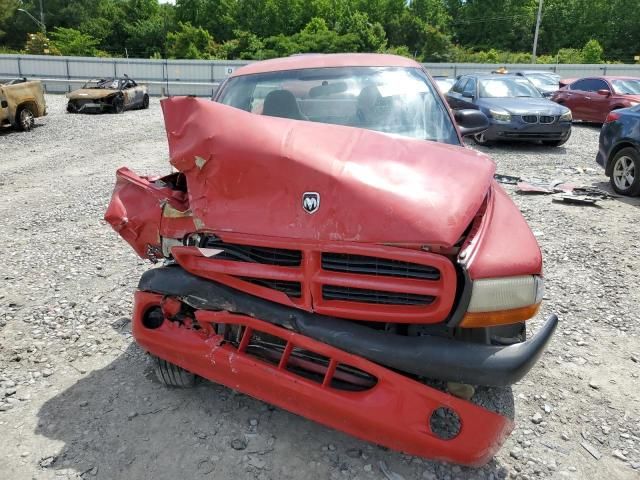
{"x": 587, "y": 98}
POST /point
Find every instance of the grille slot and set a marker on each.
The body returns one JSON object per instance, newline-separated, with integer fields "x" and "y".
{"x": 292, "y": 289}
{"x": 530, "y": 118}
{"x": 547, "y": 119}
{"x": 378, "y": 297}
{"x": 342, "y": 262}
{"x": 253, "y": 254}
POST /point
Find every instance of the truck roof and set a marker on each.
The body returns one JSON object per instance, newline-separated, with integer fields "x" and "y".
{"x": 320, "y": 60}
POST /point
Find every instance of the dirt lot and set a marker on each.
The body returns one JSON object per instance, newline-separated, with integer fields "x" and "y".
{"x": 78, "y": 400}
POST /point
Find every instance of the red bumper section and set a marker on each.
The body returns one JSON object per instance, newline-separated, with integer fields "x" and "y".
{"x": 393, "y": 411}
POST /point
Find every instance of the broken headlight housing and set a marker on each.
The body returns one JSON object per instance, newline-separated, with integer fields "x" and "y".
{"x": 501, "y": 301}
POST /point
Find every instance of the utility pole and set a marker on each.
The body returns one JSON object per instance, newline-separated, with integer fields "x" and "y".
{"x": 44, "y": 25}
{"x": 535, "y": 36}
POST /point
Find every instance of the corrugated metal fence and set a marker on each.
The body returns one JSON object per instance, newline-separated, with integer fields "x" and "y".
{"x": 201, "y": 77}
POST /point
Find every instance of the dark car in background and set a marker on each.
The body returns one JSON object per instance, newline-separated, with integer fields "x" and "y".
{"x": 516, "y": 109}
{"x": 546, "y": 82}
{"x": 592, "y": 98}
{"x": 619, "y": 150}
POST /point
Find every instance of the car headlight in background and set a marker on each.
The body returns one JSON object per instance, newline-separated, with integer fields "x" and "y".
{"x": 500, "y": 115}
{"x": 566, "y": 117}
{"x": 502, "y": 301}
{"x": 633, "y": 104}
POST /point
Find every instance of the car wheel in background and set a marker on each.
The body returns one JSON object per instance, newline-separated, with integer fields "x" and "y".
{"x": 25, "y": 118}
{"x": 625, "y": 172}
{"x": 71, "y": 108}
{"x": 481, "y": 139}
{"x": 145, "y": 101}
{"x": 118, "y": 105}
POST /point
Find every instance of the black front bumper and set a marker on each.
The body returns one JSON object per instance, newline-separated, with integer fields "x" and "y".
{"x": 424, "y": 356}
{"x": 519, "y": 131}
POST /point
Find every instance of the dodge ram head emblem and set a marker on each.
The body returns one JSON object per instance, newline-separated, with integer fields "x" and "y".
{"x": 311, "y": 202}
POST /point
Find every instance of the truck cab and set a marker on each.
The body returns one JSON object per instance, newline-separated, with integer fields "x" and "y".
{"x": 21, "y": 102}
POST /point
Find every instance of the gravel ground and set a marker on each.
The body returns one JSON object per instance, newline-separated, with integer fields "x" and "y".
{"x": 78, "y": 400}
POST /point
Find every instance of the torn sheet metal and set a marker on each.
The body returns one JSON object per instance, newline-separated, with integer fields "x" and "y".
{"x": 574, "y": 200}
{"x": 249, "y": 173}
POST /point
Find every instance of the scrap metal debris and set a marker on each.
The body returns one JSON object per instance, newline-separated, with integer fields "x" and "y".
{"x": 575, "y": 200}
{"x": 592, "y": 450}
{"x": 563, "y": 192}
{"x": 508, "y": 179}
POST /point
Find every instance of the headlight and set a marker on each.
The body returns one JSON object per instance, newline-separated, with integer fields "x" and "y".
{"x": 501, "y": 301}
{"x": 500, "y": 115}
{"x": 633, "y": 104}
{"x": 566, "y": 117}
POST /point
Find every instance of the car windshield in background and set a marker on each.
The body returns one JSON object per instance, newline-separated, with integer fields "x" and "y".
{"x": 626, "y": 87}
{"x": 542, "y": 80}
{"x": 507, "y": 88}
{"x": 393, "y": 100}
{"x": 102, "y": 83}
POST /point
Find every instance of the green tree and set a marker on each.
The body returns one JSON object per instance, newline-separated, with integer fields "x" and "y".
{"x": 7, "y": 10}
{"x": 190, "y": 42}
{"x": 371, "y": 36}
{"x": 592, "y": 52}
{"x": 69, "y": 41}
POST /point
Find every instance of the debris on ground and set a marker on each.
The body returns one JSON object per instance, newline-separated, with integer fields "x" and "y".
{"x": 574, "y": 200}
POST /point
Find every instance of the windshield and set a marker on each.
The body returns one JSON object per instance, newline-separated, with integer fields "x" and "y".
{"x": 111, "y": 83}
{"x": 542, "y": 80}
{"x": 626, "y": 87}
{"x": 507, "y": 87}
{"x": 393, "y": 100}
{"x": 444, "y": 84}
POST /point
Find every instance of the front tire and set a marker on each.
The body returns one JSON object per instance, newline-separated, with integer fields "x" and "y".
{"x": 481, "y": 139}
{"x": 145, "y": 102}
{"x": 25, "y": 118}
{"x": 118, "y": 105}
{"x": 625, "y": 172}
{"x": 172, "y": 375}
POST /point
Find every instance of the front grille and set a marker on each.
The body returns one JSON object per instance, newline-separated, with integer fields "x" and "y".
{"x": 253, "y": 254}
{"x": 375, "y": 283}
{"x": 360, "y": 264}
{"x": 530, "y": 118}
{"x": 547, "y": 119}
{"x": 292, "y": 289}
{"x": 378, "y": 297}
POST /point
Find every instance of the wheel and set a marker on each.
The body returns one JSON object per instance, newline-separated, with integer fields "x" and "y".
{"x": 71, "y": 108}
{"x": 118, "y": 105}
{"x": 145, "y": 101}
{"x": 172, "y": 375}
{"x": 481, "y": 139}
{"x": 625, "y": 172}
{"x": 25, "y": 118}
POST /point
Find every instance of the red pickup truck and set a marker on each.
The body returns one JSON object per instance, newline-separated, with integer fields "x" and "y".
{"x": 330, "y": 246}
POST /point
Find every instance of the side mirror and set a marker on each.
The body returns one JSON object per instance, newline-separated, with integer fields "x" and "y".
{"x": 471, "y": 121}
{"x": 605, "y": 92}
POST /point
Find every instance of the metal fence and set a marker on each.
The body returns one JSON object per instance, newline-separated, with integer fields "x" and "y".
{"x": 201, "y": 77}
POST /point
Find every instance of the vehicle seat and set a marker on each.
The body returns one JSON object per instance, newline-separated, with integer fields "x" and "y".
{"x": 367, "y": 106}
{"x": 283, "y": 104}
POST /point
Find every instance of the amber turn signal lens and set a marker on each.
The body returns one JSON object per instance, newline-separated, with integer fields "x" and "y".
{"x": 502, "y": 317}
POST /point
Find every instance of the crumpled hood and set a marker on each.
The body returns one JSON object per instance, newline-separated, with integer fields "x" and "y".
{"x": 524, "y": 106}
{"x": 248, "y": 174}
{"x": 90, "y": 93}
